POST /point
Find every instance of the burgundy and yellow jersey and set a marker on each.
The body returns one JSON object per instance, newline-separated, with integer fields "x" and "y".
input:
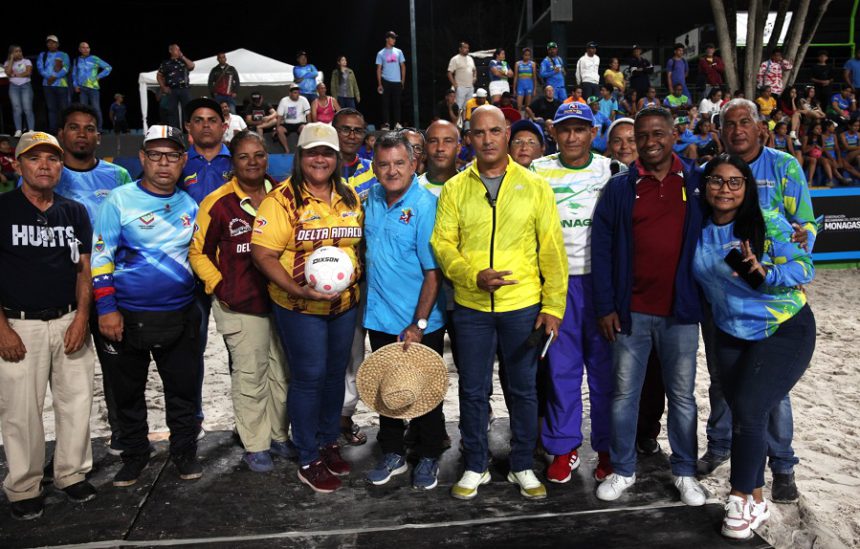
{"x": 297, "y": 228}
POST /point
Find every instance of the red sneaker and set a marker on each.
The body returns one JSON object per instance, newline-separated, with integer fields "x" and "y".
{"x": 330, "y": 456}
{"x": 317, "y": 476}
{"x": 604, "y": 467}
{"x": 562, "y": 466}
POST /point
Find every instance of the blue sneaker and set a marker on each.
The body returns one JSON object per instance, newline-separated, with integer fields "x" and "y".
{"x": 390, "y": 465}
{"x": 259, "y": 462}
{"x": 284, "y": 449}
{"x": 424, "y": 475}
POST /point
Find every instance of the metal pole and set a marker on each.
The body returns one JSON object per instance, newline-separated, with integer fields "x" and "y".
{"x": 415, "y": 122}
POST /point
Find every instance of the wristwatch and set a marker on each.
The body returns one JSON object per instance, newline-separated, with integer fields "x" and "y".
{"x": 421, "y": 323}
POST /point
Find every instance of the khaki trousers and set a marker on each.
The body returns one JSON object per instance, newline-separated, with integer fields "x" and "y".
{"x": 259, "y": 377}
{"x": 22, "y": 398}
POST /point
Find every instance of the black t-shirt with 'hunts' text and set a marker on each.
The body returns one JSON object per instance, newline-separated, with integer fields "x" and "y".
{"x": 37, "y": 271}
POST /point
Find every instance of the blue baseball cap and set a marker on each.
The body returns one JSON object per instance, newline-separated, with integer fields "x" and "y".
{"x": 527, "y": 125}
{"x": 574, "y": 111}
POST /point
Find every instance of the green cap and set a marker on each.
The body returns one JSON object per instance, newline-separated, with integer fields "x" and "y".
{"x": 592, "y": 99}
{"x": 551, "y": 45}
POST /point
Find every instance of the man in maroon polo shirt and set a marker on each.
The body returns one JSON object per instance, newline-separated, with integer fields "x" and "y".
{"x": 644, "y": 235}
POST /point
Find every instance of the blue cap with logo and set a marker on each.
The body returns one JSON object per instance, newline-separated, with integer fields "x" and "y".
{"x": 573, "y": 111}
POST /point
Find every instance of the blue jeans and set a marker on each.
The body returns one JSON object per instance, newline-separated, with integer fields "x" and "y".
{"x": 676, "y": 346}
{"x": 347, "y": 102}
{"x": 318, "y": 349}
{"x": 22, "y": 104}
{"x": 90, "y": 96}
{"x": 479, "y": 334}
{"x": 229, "y": 99}
{"x": 780, "y": 428}
{"x": 756, "y": 377}
{"x": 56, "y": 99}
{"x": 176, "y": 98}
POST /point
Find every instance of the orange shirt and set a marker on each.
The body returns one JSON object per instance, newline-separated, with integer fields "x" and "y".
{"x": 297, "y": 230}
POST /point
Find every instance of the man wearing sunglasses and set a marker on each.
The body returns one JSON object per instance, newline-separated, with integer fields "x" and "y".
{"x": 144, "y": 291}
{"x": 44, "y": 309}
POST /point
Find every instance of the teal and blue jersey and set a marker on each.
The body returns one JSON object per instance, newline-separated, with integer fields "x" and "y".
{"x": 308, "y": 76}
{"x": 602, "y": 123}
{"x": 782, "y": 188}
{"x": 739, "y": 310}
{"x": 46, "y": 63}
{"x": 91, "y": 187}
{"x": 398, "y": 253}
{"x": 87, "y": 71}
{"x": 549, "y": 74}
{"x": 200, "y": 176}
{"x": 140, "y": 251}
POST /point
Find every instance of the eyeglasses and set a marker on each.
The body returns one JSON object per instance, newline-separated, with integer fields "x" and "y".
{"x": 46, "y": 231}
{"x": 524, "y": 142}
{"x": 156, "y": 156}
{"x": 715, "y": 182}
{"x": 346, "y": 131}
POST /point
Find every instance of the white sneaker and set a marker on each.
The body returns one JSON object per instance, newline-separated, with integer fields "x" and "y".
{"x": 759, "y": 513}
{"x": 793, "y": 135}
{"x": 614, "y": 485}
{"x": 17, "y": 134}
{"x": 467, "y": 486}
{"x": 530, "y": 486}
{"x": 736, "y": 522}
{"x": 398, "y": 126}
{"x": 201, "y": 433}
{"x": 692, "y": 492}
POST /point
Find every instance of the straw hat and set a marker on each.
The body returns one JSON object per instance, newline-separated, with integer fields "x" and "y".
{"x": 402, "y": 384}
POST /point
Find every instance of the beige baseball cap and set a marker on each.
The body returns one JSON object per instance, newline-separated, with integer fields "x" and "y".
{"x": 317, "y": 134}
{"x": 34, "y": 139}
{"x": 52, "y": 38}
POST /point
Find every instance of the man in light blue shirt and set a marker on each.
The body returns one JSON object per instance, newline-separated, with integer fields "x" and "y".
{"x": 390, "y": 77}
{"x": 852, "y": 71}
{"x": 305, "y": 75}
{"x": 54, "y": 67}
{"x": 403, "y": 299}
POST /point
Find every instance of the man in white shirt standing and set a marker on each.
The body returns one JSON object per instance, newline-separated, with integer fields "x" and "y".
{"x": 462, "y": 74}
{"x": 292, "y": 115}
{"x": 587, "y": 71}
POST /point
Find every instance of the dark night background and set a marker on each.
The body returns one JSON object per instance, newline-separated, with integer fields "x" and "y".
{"x": 133, "y": 36}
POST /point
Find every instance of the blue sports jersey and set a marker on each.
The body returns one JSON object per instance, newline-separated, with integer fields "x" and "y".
{"x": 140, "y": 251}
{"x": 549, "y": 74}
{"x": 200, "y": 176}
{"x": 740, "y": 310}
{"x": 91, "y": 187}
{"x": 782, "y": 187}
{"x": 602, "y": 123}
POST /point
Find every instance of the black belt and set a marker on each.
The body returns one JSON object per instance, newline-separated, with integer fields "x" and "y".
{"x": 44, "y": 314}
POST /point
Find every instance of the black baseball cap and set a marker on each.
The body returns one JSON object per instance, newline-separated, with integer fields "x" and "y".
{"x": 202, "y": 103}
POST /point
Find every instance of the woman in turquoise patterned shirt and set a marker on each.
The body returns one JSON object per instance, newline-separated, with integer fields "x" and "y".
{"x": 765, "y": 329}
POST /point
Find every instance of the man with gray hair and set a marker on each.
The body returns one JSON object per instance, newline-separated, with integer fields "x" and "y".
{"x": 782, "y": 187}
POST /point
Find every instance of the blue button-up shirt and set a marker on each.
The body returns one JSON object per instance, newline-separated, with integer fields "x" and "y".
{"x": 200, "y": 176}
{"x": 398, "y": 253}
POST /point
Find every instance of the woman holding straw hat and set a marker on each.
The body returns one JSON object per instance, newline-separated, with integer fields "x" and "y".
{"x": 315, "y": 328}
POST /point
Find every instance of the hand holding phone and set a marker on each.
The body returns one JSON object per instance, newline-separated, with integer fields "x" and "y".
{"x": 745, "y": 270}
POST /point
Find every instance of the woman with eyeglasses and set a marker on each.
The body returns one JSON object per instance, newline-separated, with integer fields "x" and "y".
{"x": 220, "y": 255}
{"x": 752, "y": 276}
{"x": 311, "y": 209}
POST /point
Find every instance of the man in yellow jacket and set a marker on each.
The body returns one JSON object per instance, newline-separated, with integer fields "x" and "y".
{"x": 498, "y": 239}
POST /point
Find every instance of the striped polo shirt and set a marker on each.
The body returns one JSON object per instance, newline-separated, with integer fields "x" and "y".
{"x": 296, "y": 229}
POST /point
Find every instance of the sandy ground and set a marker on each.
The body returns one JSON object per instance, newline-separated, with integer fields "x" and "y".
{"x": 826, "y": 414}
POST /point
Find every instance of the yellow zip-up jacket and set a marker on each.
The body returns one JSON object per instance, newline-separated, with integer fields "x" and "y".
{"x": 522, "y": 233}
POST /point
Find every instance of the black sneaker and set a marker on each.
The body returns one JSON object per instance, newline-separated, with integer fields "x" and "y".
{"x": 783, "y": 489}
{"x": 80, "y": 492}
{"x": 710, "y": 461}
{"x": 48, "y": 472}
{"x": 647, "y": 446}
{"x": 27, "y": 509}
{"x": 131, "y": 468}
{"x": 188, "y": 466}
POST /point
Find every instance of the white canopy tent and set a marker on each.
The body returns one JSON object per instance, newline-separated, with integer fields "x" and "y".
{"x": 254, "y": 70}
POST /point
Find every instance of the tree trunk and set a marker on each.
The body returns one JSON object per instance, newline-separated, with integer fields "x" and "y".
{"x": 760, "y": 23}
{"x": 798, "y": 61}
{"x": 750, "y": 67}
{"x": 778, "y": 24}
{"x": 798, "y": 21}
{"x": 725, "y": 42}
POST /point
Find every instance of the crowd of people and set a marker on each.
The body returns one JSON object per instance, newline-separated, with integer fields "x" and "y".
{"x": 532, "y": 243}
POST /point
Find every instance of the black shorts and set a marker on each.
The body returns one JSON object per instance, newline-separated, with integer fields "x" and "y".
{"x": 293, "y": 128}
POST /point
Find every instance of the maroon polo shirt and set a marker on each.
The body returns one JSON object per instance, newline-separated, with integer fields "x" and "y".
{"x": 658, "y": 233}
